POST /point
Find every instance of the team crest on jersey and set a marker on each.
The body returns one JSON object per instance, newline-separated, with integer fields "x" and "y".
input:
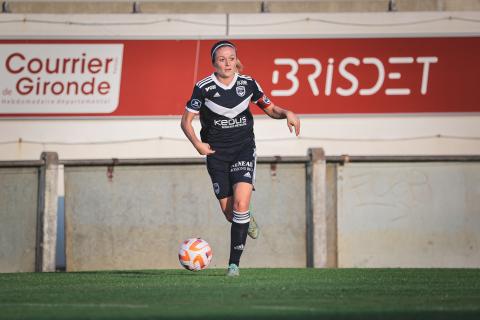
{"x": 241, "y": 91}
{"x": 196, "y": 103}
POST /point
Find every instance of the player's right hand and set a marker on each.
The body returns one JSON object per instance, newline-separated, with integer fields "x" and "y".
{"x": 204, "y": 149}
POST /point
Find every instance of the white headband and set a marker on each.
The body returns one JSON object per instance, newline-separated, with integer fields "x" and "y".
{"x": 222, "y": 45}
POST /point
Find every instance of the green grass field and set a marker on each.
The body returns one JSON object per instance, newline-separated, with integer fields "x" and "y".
{"x": 257, "y": 293}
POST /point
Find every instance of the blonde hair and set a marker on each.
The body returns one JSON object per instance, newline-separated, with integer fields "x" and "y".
{"x": 239, "y": 66}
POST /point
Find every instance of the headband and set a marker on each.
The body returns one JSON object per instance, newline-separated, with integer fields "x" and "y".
{"x": 220, "y": 44}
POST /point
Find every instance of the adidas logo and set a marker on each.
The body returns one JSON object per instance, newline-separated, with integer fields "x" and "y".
{"x": 248, "y": 175}
{"x": 239, "y": 247}
{"x": 216, "y": 95}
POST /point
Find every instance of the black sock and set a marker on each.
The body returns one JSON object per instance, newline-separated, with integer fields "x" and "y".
{"x": 238, "y": 236}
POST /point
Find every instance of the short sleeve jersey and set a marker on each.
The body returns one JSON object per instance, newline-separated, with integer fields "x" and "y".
{"x": 224, "y": 109}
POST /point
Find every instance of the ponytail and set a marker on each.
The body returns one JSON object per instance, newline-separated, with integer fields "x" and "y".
{"x": 239, "y": 66}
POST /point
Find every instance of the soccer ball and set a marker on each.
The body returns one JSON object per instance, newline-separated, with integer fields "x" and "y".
{"x": 195, "y": 254}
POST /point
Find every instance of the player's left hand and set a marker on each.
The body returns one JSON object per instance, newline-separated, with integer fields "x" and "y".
{"x": 293, "y": 122}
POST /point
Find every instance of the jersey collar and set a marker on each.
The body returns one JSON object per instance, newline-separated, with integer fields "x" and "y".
{"x": 221, "y": 85}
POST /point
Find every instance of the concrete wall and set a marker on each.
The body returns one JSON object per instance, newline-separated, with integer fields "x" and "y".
{"x": 326, "y": 213}
{"x": 28, "y": 214}
{"x": 241, "y": 25}
{"x": 233, "y": 6}
{"x": 137, "y": 218}
{"x": 65, "y": 7}
{"x": 436, "y": 5}
{"x": 200, "y": 7}
{"x": 409, "y": 215}
{"x": 18, "y": 219}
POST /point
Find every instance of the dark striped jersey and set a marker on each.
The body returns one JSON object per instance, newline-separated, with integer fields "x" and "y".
{"x": 224, "y": 110}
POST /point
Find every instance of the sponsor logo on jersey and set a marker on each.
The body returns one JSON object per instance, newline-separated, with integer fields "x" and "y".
{"x": 216, "y": 188}
{"x": 266, "y": 100}
{"x": 196, "y": 103}
{"x": 231, "y": 123}
{"x": 216, "y": 95}
{"x": 242, "y": 166}
{"x": 241, "y": 82}
{"x": 211, "y": 88}
{"x": 247, "y": 175}
{"x": 241, "y": 91}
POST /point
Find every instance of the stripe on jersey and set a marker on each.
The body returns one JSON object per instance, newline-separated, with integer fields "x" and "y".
{"x": 227, "y": 112}
{"x": 259, "y": 88}
{"x": 254, "y": 167}
{"x": 191, "y": 110}
{"x": 206, "y": 78}
{"x": 245, "y": 77}
{"x": 203, "y": 82}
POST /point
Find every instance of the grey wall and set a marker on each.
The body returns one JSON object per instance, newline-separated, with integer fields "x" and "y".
{"x": 137, "y": 218}
{"x": 234, "y": 6}
{"x": 395, "y": 214}
{"x": 409, "y": 215}
{"x": 18, "y": 219}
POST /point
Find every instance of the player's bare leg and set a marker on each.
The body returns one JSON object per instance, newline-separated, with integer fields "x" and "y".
{"x": 226, "y": 204}
{"x": 242, "y": 193}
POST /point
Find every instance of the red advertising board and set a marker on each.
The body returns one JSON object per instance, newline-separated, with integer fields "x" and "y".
{"x": 102, "y": 78}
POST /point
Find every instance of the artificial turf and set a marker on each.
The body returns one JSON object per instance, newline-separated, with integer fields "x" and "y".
{"x": 256, "y": 294}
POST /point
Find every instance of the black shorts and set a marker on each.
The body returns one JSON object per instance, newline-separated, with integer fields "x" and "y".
{"x": 225, "y": 174}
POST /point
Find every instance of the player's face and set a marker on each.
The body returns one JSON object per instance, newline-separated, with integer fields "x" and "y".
{"x": 225, "y": 62}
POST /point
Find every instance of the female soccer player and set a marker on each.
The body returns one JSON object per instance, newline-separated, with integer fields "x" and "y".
{"x": 227, "y": 140}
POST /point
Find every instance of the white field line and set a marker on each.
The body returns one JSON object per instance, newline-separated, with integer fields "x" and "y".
{"x": 286, "y": 308}
{"x": 75, "y": 305}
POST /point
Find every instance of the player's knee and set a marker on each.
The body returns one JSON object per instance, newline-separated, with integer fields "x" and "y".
{"x": 228, "y": 214}
{"x": 240, "y": 205}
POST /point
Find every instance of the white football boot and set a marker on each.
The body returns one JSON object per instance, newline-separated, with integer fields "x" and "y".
{"x": 233, "y": 270}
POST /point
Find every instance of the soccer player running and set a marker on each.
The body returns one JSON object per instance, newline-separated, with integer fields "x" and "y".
{"x": 227, "y": 139}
